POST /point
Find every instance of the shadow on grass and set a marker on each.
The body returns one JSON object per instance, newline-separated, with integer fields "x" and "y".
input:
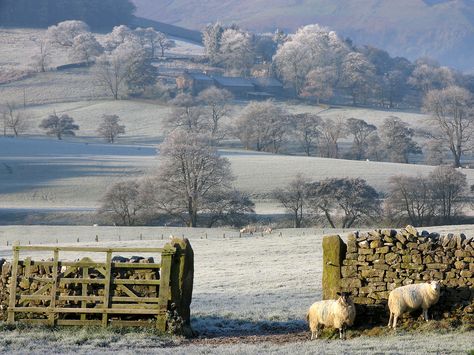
{"x": 213, "y": 327}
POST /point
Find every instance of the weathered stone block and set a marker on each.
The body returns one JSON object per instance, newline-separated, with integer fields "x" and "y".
{"x": 350, "y": 283}
{"x": 437, "y": 266}
{"x": 348, "y": 271}
{"x": 466, "y": 273}
{"x": 459, "y": 265}
{"x": 382, "y": 250}
{"x": 372, "y": 273}
{"x": 376, "y": 244}
{"x": 365, "y": 251}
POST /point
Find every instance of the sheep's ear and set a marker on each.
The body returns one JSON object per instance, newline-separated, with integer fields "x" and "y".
{"x": 338, "y": 293}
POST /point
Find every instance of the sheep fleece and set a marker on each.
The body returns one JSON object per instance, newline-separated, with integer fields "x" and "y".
{"x": 411, "y": 297}
{"x": 330, "y": 313}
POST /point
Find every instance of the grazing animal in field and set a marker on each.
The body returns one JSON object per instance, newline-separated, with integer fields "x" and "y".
{"x": 338, "y": 313}
{"x": 411, "y": 297}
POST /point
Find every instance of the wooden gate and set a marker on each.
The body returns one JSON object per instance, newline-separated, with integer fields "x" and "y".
{"x": 86, "y": 292}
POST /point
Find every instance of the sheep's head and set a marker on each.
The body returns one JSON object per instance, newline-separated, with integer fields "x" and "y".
{"x": 344, "y": 297}
{"x": 435, "y": 285}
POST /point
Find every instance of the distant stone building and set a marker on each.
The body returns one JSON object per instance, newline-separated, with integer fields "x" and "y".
{"x": 259, "y": 88}
{"x": 195, "y": 82}
{"x": 238, "y": 86}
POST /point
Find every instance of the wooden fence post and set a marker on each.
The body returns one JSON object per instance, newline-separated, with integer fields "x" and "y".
{"x": 54, "y": 288}
{"x": 334, "y": 252}
{"x": 13, "y": 283}
{"x": 165, "y": 289}
{"x": 108, "y": 282}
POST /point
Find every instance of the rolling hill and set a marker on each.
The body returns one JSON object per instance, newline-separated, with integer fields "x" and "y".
{"x": 442, "y": 29}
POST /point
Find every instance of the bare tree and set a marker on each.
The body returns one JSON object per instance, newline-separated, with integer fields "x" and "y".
{"x": 307, "y": 131}
{"x": 332, "y": 130}
{"x": 449, "y": 186}
{"x": 187, "y": 114}
{"x": 361, "y": 131}
{"x": 14, "y": 120}
{"x": 123, "y": 203}
{"x": 231, "y": 207}
{"x": 42, "y": 57}
{"x": 217, "y": 101}
{"x": 397, "y": 140}
{"x": 110, "y": 128}
{"x": 452, "y": 119}
{"x": 154, "y": 40}
{"x": 127, "y": 68}
{"x": 293, "y": 198}
{"x": 59, "y": 126}
{"x": 262, "y": 126}
{"x": 354, "y": 199}
{"x": 411, "y": 198}
{"x": 191, "y": 171}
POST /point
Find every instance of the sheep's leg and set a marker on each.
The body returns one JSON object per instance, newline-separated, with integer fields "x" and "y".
{"x": 395, "y": 321}
{"x": 312, "y": 335}
{"x": 390, "y": 319}
{"x": 341, "y": 332}
{"x": 318, "y": 331}
{"x": 425, "y": 314}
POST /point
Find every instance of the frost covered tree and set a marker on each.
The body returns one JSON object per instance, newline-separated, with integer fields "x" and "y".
{"x": 357, "y": 76}
{"x": 320, "y": 83}
{"x": 361, "y": 132}
{"x": 310, "y": 48}
{"x": 216, "y": 101}
{"x": 127, "y": 68}
{"x": 42, "y": 57}
{"x": 236, "y": 51}
{"x": 293, "y": 198}
{"x": 118, "y": 35}
{"x": 411, "y": 198}
{"x": 85, "y": 48}
{"x": 154, "y": 40}
{"x": 187, "y": 115}
{"x": 124, "y": 203}
{"x": 397, "y": 140}
{"x": 306, "y": 129}
{"x": 63, "y": 33}
{"x": 332, "y": 131}
{"x": 262, "y": 126}
{"x": 428, "y": 75}
{"x": 14, "y": 120}
{"x": 452, "y": 119}
{"x": 211, "y": 37}
{"x": 350, "y": 200}
{"x": 59, "y": 126}
{"x": 110, "y": 128}
{"x": 190, "y": 172}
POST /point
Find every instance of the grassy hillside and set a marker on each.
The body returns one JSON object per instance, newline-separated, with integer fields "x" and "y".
{"x": 412, "y": 28}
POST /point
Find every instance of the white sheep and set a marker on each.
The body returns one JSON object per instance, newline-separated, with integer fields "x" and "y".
{"x": 338, "y": 314}
{"x": 411, "y": 297}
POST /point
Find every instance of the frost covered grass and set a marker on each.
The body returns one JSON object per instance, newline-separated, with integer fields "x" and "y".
{"x": 41, "y": 173}
{"x": 250, "y": 296}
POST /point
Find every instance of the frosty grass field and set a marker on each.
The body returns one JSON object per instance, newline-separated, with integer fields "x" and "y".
{"x": 250, "y": 296}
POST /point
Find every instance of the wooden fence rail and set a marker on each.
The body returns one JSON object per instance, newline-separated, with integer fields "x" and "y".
{"x": 104, "y": 293}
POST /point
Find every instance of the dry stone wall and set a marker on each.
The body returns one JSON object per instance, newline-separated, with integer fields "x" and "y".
{"x": 379, "y": 261}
